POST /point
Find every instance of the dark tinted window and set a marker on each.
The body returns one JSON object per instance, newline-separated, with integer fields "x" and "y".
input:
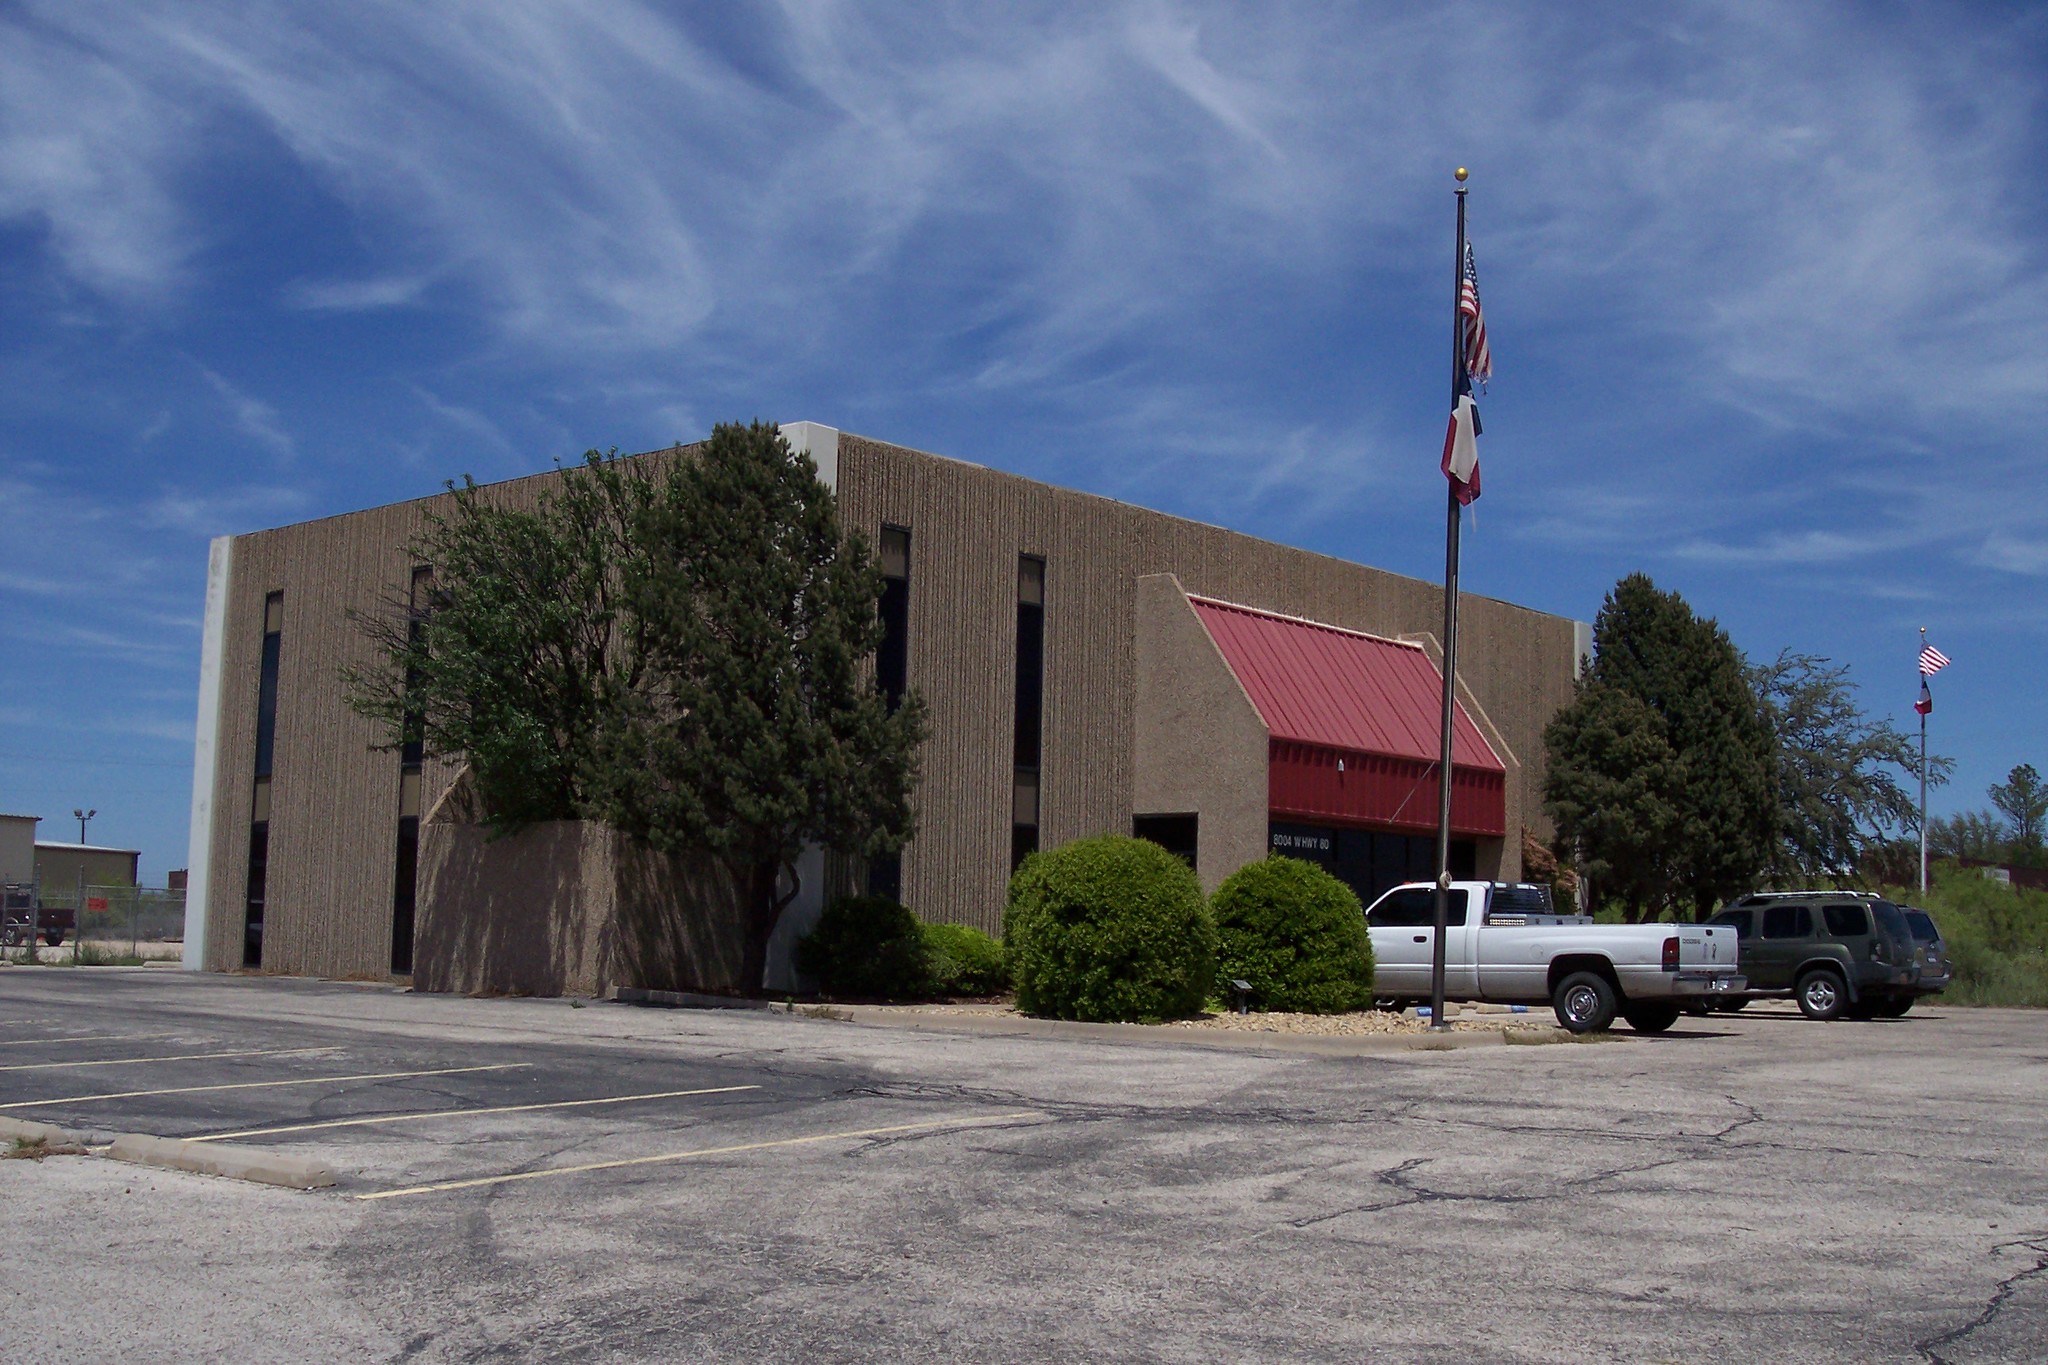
{"x": 1416, "y": 908}
{"x": 1788, "y": 921}
{"x": 1892, "y": 921}
{"x": 1521, "y": 900}
{"x": 892, "y": 656}
{"x": 1922, "y": 925}
{"x": 1846, "y": 921}
{"x": 1177, "y": 834}
{"x": 1741, "y": 921}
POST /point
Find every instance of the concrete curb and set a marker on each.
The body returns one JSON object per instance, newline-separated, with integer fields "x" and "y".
{"x": 687, "y": 1000}
{"x": 27, "y": 1130}
{"x": 216, "y": 1158}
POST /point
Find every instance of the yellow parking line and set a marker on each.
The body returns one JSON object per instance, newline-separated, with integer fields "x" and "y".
{"x": 86, "y": 1038}
{"x": 262, "y": 1085}
{"x": 467, "y": 1113}
{"x": 847, "y": 1135}
{"x": 187, "y": 1057}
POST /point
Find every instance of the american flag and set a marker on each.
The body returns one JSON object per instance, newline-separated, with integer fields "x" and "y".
{"x": 1478, "y": 355}
{"x": 1932, "y": 661}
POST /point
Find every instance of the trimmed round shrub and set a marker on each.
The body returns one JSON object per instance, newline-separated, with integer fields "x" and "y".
{"x": 866, "y": 946}
{"x": 1109, "y": 928}
{"x": 965, "y": 961}
{"x": 1297, "y": 934}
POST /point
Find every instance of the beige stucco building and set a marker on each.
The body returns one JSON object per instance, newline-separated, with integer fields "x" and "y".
{"x": 60, "y": 866}
{"x": 18, "y": 848}
{"x": 1089, "y": 667}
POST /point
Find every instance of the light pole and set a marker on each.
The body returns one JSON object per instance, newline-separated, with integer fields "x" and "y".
{"x": 82, "y": 816}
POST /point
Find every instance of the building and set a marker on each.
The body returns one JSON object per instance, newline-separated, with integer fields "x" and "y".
{"x": 1089, "y": 666}
{"x": 18, "y": 849}
{"x": 59, "y": 866}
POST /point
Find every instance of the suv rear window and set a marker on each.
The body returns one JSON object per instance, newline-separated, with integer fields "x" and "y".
{"x": 1787, "y": 921}
{"x": 1415, "y": 908}
{"x": 1892, "y": 920}
{"x": 1923, "y": 926}
{"x": 1742, "y": 921}
{"x": 1846, "y": 921}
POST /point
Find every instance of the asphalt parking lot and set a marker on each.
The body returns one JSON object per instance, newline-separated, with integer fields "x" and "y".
{"x": 529, "y": 1180}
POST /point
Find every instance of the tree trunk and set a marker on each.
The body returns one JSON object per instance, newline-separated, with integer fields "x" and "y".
{"x": 762, "y": 911}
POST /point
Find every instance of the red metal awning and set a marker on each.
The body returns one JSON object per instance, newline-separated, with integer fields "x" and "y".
{"x": 1354, "y": 722}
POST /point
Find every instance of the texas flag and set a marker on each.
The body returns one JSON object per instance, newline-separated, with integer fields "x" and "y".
{"x": 1925, "y": 706}
{"x": 1461, "y": 450}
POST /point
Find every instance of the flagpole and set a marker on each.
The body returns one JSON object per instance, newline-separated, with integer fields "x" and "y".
{"x": 1451, "y": 520}
{"x": 1923, "y": 771}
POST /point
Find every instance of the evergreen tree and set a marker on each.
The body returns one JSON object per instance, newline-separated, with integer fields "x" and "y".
{"x": 1611, "y": 790}
{"x": 1719, "y": 795}
{"x": 752, "y": 726}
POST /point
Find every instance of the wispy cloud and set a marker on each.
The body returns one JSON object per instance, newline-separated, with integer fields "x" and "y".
{"x": 354, "y": 296}
{"x": 223, "y": 513}
{"x": 253, "y": 417}
{"x": 464, "y": 419}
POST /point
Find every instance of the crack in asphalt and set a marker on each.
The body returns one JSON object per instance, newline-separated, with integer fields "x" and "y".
{"x": 1932, "y": 1347}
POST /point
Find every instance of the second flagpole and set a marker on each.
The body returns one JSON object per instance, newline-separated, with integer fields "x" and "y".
{"x": 1451, "y": 524}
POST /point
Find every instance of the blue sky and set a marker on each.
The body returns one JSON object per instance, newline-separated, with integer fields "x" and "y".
{"x": 1766, "y": 286}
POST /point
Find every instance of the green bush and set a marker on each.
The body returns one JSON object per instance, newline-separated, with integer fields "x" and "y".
{"x": 1997, "y": 936}
{"x": 867, "y": 946}
{"x": 1297, "y": 934}
{"x": 1109, "y": 928}
{"x": 965, "y": 961}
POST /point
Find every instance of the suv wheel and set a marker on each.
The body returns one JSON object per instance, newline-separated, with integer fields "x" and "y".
{"x": 1895, "y": 1008}
{"x": 1584, "y": 1002}
{"x": 1821, "y": 995}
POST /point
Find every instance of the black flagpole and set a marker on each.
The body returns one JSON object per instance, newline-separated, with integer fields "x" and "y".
{"x": 1443, "y": 771}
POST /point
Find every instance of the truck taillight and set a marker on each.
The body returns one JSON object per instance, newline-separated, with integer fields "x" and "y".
{"x": 1671, "y": 953}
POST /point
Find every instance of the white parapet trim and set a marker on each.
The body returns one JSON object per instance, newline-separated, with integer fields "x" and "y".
{"x": 819, "y": 442}
{"x": 205, "y": 752}
{"x": 1582, "y": 647}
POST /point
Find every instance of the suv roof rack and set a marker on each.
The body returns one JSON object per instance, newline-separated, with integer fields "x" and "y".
{"x": 1755, "y": 896}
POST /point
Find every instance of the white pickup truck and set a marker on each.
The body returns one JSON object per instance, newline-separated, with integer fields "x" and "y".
{"x": 1507, "y": 943}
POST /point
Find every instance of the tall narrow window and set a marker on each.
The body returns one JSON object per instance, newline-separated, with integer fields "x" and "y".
{"x": 892, "y": 659}
{"x": 892, "y": 676}
{"x": 259, "y": 804}
{"x": 1030, "y": 709}
{"x": 411, "y": 756}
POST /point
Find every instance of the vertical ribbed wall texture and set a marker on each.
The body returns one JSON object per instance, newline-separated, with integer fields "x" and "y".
{"x": 968, "y": 524}
{"x": 334, "y": 815}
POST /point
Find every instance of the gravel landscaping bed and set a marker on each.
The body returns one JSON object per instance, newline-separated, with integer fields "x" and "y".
{"x": 1328, "y": 1025}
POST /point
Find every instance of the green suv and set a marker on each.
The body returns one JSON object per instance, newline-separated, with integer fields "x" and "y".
{"x": 1835, "y": 952}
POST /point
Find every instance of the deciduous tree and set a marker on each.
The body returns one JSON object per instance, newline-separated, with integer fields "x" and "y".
{"x": 1840, "y": 793}
{"x": 504, "y": 660}
{"x": 2023, "y": 800}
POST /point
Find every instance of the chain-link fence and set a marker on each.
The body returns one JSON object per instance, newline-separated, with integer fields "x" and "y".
{"x": 114, "y": 924}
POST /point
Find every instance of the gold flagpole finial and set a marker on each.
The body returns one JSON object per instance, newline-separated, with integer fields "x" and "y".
{"x": 1461, "y": 174}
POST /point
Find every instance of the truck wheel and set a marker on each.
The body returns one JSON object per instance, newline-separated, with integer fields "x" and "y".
{"x": 1584, "y": 1002}
{"x": 1821, "y": 995}
{"x": 54, "y": 937}
{"x": 1729, "y": 1006}
{"x": 1650, "y": 1018}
